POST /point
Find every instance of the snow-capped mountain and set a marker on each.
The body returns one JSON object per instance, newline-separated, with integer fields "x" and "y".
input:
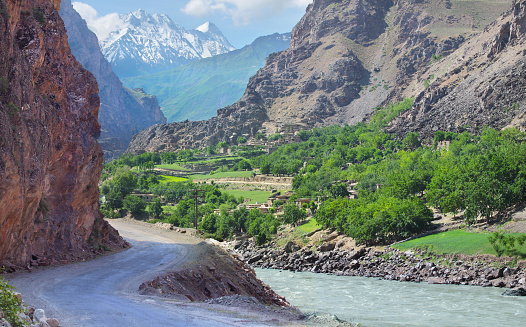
{"x": 143, "y": 44}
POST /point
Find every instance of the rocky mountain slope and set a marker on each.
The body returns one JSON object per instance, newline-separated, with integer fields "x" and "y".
{"x": 51, "y": 161}
{"x": 123, "y": 112}
{"x": 195, "y": 91}
{"x": 145, "y": 44}
{"x": 483, "y": 83}
{"x": 346, "y": 58}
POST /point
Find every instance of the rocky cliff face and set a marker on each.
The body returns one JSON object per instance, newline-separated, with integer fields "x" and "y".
{"x": 346, "y": 58}
{"x": 123, "y": 112}
{"x": 50, "y": 161}
{"x": 483, "y": 83}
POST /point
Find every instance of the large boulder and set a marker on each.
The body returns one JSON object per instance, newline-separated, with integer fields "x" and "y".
{"x": 519, "y": 291}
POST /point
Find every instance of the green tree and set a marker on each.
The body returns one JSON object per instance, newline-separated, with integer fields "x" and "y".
{"x": 241, "y": 140}
{"x": 114, "y": 199}
{"x": 134, "y": 204}
{"x": 9, "y": 305}
{"x": 244, "y": 165}
{"x": 222, "y": 145}
{"x": 338, "y": 190}
{"x": 125, "y": 181}
{"x": 279, "y": 169}
{"x": 275, "y": 137}
{"x": 265, "y": 168}
{"x": 208, "y": 224}
{"x": 313, "y": 207}
{"x": 292, "y": 214}
{"x": 105, "y": 189}
{"x": 155, "y": 208}
{"x": 411, "y": 141}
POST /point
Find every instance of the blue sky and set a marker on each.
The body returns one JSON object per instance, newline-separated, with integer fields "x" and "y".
{"x": 241, "y": 21}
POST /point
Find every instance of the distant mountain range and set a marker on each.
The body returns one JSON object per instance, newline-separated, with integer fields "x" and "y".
{"x": 145, "y": 44}
{"x": 195, "y": 91}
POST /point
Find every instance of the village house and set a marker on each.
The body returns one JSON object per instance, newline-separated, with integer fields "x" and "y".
{"x": 145, "y": 197}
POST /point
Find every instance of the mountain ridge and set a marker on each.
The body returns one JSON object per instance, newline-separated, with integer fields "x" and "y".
{"x": 346, "y": 58}
{"x": 208, "y": 84}
{"x": 143, "y": 43}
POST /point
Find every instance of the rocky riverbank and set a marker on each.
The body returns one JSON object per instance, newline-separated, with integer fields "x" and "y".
{"x": 391, "y": 264}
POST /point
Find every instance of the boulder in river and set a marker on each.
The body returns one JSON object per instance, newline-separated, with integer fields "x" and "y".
{"x": 519, "y": 291}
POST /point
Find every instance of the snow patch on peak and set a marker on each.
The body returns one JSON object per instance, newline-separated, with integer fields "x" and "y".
{"x": 142, "y": 39}
{"x": 204, "y": 28}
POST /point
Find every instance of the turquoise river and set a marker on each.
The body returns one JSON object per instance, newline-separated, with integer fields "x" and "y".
{"x": 373, "y": 302}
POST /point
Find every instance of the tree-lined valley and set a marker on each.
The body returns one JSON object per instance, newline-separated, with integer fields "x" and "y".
{"x": 379, "y": 139}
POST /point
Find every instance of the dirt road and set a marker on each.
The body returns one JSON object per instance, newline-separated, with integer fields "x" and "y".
{"x": 104, "y": 292}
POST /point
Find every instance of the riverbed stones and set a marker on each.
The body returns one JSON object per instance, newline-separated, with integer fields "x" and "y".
{"x": 327, "y": 247}
{"x": 291, "y": 247}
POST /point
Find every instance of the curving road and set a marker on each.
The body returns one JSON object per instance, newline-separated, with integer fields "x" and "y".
{"x": 103, "y": 292}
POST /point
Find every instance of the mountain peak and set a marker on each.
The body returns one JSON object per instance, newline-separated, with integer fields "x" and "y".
{"x": 146, "y": 43}
{"x": 209, "y": 27}
{"x": 205, "y": 27}
{"x": 140, "y": 13}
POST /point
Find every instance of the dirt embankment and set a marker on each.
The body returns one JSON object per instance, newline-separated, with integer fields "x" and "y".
{"x": 213, "y": 273}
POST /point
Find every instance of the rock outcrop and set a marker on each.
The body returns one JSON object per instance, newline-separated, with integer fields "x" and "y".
{"x": 346, "y": 58}
{"x": 123, "y": 112}
{"x": 50, "y": 160}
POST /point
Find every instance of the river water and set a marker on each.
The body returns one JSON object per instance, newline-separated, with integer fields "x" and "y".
{"x": 374, "y": 302}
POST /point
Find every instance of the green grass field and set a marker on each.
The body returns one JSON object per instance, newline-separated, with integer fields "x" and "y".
{"x": 255, "y": 196}
{"x": 169, "y": 209}
{"x": 456, "y": 241}
{"x": 222, "y": 159}
{"x": 163, "y": 179}
{"x": 310, "y": 226}
{"x": 226, "y": 174}
{"x": 174, "y": 166}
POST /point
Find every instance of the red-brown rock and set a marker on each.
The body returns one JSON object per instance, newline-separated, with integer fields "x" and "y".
{"x": 50, "y": 161}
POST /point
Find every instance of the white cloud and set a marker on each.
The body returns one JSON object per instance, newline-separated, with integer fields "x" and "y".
{"x": 241, "y": 11}
{"x": 102, "y": 26}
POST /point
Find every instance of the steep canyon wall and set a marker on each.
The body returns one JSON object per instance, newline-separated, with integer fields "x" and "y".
{"x": 50, "y": 160}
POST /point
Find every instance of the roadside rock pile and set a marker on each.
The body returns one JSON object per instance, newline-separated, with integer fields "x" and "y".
{"x": 391, "y": 264}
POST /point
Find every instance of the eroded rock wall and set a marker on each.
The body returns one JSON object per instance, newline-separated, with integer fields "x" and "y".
{"x": 50, "y": 160}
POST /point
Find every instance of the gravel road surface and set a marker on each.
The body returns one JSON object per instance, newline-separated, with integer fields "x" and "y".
{"x": 104, "y": 292}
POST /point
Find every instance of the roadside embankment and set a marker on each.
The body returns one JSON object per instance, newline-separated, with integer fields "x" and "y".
{"x": 213, "y": 273}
